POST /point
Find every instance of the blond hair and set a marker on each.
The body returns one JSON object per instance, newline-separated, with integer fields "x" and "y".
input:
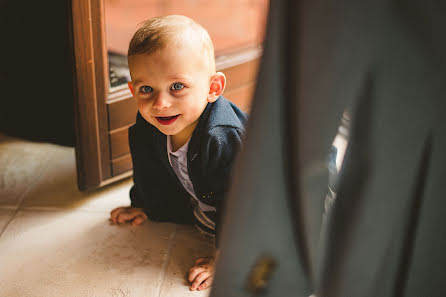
{"x": 157, "y": 33}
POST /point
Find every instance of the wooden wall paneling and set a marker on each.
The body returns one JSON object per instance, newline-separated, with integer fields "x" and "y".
{"x": 240, "y": 69}
{"x": 122, "y": 165}
{"x": 242, "y": 96}
{"x": 241, "y": 74}
{"x": 122, "y": 112}
{"x": 119, "y": 142}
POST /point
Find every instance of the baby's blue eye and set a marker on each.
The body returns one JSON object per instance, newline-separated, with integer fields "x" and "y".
{"x": 146, "y": 89}
{"x": 177, "y": 86}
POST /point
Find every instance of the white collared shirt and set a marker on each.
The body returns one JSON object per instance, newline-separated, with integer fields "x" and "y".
{"x": 184, "y": 178}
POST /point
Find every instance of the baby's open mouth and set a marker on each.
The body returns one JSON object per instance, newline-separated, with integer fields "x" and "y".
{"x": 167, "y": 120}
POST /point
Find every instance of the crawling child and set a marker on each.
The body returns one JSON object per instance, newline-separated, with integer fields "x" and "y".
{"x": 186, "y": 134}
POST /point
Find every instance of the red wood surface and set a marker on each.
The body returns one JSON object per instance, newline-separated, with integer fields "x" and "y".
{"x": 231, "y": 23}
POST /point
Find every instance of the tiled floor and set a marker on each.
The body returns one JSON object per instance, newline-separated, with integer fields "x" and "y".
{"x": 57, "y": 241}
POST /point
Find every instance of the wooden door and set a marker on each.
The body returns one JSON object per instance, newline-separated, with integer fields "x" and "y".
{"x": 104, "y": 114}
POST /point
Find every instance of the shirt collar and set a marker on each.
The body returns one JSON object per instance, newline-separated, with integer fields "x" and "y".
{"x": 182, "y": 150}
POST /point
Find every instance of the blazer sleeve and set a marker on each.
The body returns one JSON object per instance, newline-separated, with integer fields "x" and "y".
{"x": 222, "y": 150}
{"x": 154, "y": 189}
{"x": 135, "y": 199}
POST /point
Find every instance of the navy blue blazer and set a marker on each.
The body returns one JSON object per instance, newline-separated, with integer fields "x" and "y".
{"x": 212, "y": 149}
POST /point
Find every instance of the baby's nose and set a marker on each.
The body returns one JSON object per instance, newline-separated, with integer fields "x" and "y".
{"x": 161, "y": 101}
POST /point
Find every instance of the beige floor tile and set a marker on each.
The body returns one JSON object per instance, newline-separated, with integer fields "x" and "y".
{"x": 188, "y": 246}
{"x": 78, "y": 253}
{"x": 58, "y": 188}
{"x": 5, "y": 217}
{"x": 21, "y": 165}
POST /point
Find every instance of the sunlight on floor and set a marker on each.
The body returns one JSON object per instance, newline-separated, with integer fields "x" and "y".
{"x": 57, "y": 241}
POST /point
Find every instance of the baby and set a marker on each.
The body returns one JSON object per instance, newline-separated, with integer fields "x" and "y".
{"x": 186, "y": 135}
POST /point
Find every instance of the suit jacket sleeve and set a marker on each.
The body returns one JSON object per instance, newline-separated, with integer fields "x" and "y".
{"x": 155, "y": 190}
{"x": 222, "y": 149}
{"x": 135, "y": 199}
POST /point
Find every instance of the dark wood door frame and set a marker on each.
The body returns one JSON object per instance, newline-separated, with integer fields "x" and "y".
{"x": 92, "y": 142}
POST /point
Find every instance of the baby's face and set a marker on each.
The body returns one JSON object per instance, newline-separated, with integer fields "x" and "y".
{"x": 171, "y": 87}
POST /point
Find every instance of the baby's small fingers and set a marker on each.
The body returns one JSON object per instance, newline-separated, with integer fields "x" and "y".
{"x": 125, "y": 216}
{"x": 115, "y": 212}
{"x": 194, "y": 271}
{"x": 138, "y": 220}
{"x": 206, "y": 284}
{"x": 201, "y": 277}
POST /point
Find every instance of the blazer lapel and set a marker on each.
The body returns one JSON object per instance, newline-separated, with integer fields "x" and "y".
{"x": 161, "y": 144}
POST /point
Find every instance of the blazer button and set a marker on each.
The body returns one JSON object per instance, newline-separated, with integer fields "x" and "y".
{"x": 260, "y": 274}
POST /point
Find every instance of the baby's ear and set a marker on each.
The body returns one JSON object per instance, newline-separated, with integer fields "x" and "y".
{"x": 131, "y": 87}
{"x": 217, "y": 86}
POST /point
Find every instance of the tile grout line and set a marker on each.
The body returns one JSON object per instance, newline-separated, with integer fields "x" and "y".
{"x": 63, "y": 208}
{"x": 10, "y": 220}
{"x": 26, "y": 192}
{"x": 22, "y": 197}
{"x": 165, "y": 266}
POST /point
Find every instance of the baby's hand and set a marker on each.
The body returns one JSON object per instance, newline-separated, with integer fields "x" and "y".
{"x": 202, "y": 274}
{"x": 129, "y": 214}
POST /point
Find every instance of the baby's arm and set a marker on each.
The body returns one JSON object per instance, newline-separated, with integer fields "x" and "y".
{"x": 133, "y": 215}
